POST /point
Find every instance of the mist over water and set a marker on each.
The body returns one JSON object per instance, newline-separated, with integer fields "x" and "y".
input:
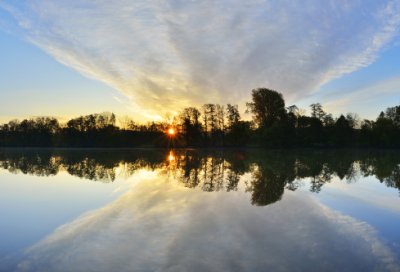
{"x": 192, "y": 210}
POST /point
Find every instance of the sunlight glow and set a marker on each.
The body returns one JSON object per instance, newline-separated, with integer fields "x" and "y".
{"x": 171, "y": 156}
{"x": 171, "y": 131}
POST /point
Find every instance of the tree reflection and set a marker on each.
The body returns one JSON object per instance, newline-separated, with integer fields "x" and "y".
{"x": 266, "y": 187}
{"x": 394, "y": 179}
{"x": 271, "y": 172}
{"x": 92, "y": 170}
{"x": 31, "y": 163}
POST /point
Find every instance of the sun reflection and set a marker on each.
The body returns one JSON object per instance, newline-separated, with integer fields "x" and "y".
{"x": 171, "y": 156}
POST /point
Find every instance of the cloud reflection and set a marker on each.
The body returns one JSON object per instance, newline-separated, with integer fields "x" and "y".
{"x": 158, "y": 226}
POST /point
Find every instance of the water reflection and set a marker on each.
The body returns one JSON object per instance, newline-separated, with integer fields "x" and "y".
{"x": 214, "y": 170}
{"x": 189, "y": 210}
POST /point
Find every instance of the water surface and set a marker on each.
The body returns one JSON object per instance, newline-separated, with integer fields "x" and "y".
{"x": 192, "y": 210}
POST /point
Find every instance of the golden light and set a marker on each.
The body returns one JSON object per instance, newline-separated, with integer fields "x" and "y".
{"x": 171, "y": 156}
{"x": 171, "y": 131}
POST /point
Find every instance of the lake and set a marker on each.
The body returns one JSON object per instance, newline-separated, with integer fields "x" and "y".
{"x": 199, "y": 210}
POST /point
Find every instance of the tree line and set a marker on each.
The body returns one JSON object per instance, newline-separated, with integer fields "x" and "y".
{"x": 215, "y": 170}
{"x": 273, "y": 125}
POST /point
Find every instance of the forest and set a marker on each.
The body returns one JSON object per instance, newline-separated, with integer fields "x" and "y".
{"x": 273, "y": 125}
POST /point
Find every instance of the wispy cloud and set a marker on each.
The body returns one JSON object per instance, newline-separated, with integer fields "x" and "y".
{"x": 364, "y": 95}
{"x": 165, "y": 55}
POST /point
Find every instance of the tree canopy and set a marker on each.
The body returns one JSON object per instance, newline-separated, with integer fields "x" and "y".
{"x": 266, "y": 106}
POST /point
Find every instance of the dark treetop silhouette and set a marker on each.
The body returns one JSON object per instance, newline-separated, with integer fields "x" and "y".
{"x": 273, "y": 126}
{"x": 214, "y": 170}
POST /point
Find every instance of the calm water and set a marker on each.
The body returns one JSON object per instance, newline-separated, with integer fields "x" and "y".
{"x": 190, "y": 210}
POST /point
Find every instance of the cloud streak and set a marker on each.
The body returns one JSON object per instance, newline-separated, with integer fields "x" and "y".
{"x": 364, "y": 94}
{"x": 165, "y": 55}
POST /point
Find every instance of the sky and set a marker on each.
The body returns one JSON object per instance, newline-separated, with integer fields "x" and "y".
{"x": 144, "y": 58}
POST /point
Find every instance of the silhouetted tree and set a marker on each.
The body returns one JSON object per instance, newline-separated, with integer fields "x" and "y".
{"x": 190, "y": 124}
{"x": 273, "y": 126}
{"x": 317, "y": 111}
{"x": 266, "y": 106}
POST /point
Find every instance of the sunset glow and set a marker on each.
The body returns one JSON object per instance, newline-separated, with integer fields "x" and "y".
{"x": 205, "y": 75}
{"x": 204, "y": 135}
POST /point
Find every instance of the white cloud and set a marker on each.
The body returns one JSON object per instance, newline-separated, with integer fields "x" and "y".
{"x": 165, "y": 55}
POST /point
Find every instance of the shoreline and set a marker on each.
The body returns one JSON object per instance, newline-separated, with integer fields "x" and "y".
{"x": 207, "y": 148}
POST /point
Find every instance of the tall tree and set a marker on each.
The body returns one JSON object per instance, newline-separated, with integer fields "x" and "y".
{"x": 210, "y": 121}
{"x": 393, "y": 114}
{"x": 205, "y": 109}
{"x": 266, "y": 105}
{"x": 317, "y": 111}
{"x": 221, "y": 122}
{"x": 233, "y": 115}
{"x": 190, "y": 124}
{"x": 354, "y": 120}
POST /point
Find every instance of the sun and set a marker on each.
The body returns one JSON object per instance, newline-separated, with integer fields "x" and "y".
{"x": 171, "y": 131}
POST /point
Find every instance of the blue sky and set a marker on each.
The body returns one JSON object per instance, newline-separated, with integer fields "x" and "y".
{"x": 35, "y": 84}
{"x": 143, "y": 58}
